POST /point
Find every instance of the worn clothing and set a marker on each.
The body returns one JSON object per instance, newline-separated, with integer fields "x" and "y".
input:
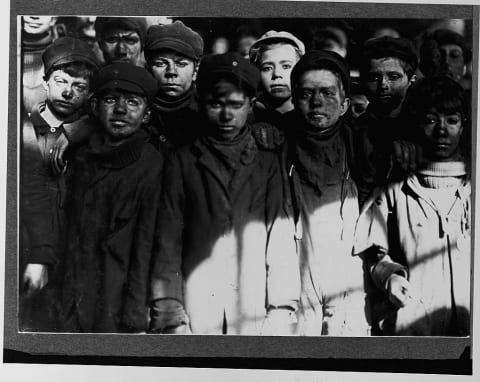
{"x": 374, "y": 137}
{"x": 42, "y": 217}
{"x": 226, "y": 246}
{"x": 175, "y": 124}
{"x": 325, "y": 198}
{"x": 112, "y": 223}
{"x": 404, "y": 230}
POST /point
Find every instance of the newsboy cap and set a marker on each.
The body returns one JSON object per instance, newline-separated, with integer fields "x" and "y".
{"x": 105, "y": 24}
{"x": 66, "y": 50}
{"x": 386, "y": 46}
{"x": 127, "y": 77}
{"x": 322, "y": 59}
{"x": 271, "y": 37}
{"x": 177, "y": 37}
{"x": 230, "y": 63}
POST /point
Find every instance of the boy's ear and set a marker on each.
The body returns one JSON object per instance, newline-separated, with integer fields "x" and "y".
{"x": 344, "y": 106}
{"x": 195, "y": 71}
{"x": 94, "y": 106}
{"x": 146, "y": 117}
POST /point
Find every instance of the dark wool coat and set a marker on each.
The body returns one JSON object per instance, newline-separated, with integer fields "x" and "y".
{"x": 115, "y": 194}
{"x": 227, "y": 250}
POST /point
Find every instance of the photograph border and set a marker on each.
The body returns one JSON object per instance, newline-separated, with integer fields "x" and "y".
{"x": 194, "y": 350}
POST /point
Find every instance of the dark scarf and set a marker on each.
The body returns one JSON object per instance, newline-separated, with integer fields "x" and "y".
{"x": 164, "y": 106}
{"x": 320, "y": 155}
{"x": 117, "y": 156}
{"x": 233, "y": 153}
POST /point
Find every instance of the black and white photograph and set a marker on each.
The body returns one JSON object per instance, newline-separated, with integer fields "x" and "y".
{"x": 274, "y": 185}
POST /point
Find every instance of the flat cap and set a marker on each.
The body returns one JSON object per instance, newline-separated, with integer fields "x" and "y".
{"x": 127, "y": 77}
{"x": 105, "y": 24}
{"x": 322, "y": 59}
{"x": 386, "y": 46}
{"x": 230, "y": 63}
{"x": 177, "y": 37}
{"x": 65, "y": 50}
{"x": 272, "y": 37}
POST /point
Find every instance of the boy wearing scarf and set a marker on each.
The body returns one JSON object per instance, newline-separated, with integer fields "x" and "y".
{"x": 226, "y": 263}
{"x": 113, "y": 209}
{"x": 319, "y": 162}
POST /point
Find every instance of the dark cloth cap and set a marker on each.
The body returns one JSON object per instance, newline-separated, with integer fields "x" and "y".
{"x": 230, "y": 63}
{"x": 105, "y": 24}
{"x": 127, "y": 77}
{"x": 65, "y": 50}
{"x": 177, "y": 37}
{"x": 322, "y": 59}
{"x": 386, "y": 46}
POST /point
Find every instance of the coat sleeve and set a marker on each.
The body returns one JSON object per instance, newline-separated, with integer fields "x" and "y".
{"x": 283, "y": 273}
{"x": 143, "y": 237}
{"x": 372, "y": 238}
{"x": 36, "y": 211}
{"x": 166, "y": 278}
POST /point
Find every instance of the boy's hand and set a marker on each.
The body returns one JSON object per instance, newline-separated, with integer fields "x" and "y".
{"x": 57, "y": 153}
{"x": 35, "y": 278}
{"x": 398, "y": 290}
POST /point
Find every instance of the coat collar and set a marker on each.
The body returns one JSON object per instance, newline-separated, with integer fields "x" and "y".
{"x": 41, "y": 126}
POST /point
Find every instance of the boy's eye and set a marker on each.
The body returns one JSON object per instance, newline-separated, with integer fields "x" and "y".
{"x": 266, "y": 68}
{"x": 131, "y": 40}
{"x": 109, "y": 100}
{"x": 60, "y": 81}
{"x": 112, "y": 39}
{"x": 453, "y": 120}
{"x": 394, "y": 77}
{"x": 133, "y": 102}
{"x": 159, "y": 63}
{"x": 306, "y": 94}
{"x": 372, "y": 77}
{"x": 80, "y": 87}
{"x": 181, "y": 64}
{"x": 287, "y": 66}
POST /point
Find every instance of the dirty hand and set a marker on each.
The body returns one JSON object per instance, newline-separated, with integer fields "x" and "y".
{"x": 57, "y": 154}
{"x": 398, "y": 290}
{"x": 35, "y": 278}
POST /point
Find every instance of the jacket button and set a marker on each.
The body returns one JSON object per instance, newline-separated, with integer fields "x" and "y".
{"x": 163, "y": 138}
{"x": 53, "y": 129}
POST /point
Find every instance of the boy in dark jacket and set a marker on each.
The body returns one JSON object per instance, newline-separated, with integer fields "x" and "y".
{"x": 69, "y": 65}
{"x": 227, "y": 255}
{"x": 113, "y": 208}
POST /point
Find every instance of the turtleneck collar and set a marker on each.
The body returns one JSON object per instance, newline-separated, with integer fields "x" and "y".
{"x": 117, "y": 156}
{"x": 442, "y": 174}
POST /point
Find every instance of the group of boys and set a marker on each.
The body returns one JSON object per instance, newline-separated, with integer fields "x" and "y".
{"x": 171, "y": 193}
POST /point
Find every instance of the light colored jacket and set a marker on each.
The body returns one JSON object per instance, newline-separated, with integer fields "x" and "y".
{"x": 404, "y": 232}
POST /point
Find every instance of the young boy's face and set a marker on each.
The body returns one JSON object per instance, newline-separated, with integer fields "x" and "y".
{"x": 386, "y": 83}
{"x": 275, "y": 65}
{"x": 122, "y": 45}
{"x": 66, "y": 94}
{"x": 441, "y": 135}
{"x": 319, "y": 99}
{"x": 227, "y": 108}
{"x": 121, "y": 114}
{"x": 174, "y": 72}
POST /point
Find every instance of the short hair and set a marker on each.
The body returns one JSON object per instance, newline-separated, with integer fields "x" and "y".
{"x": 74, "y": 69}
{"x": 270, "y": 45}
{"x": 440, "y": 93}
{"x": 209, "y": 87}
{"x": 321, "y": 66}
